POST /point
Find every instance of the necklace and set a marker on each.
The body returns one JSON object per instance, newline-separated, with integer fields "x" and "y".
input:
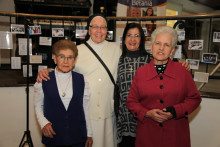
{"x": 61, "y": 86}
{"x": 130, "y": 64}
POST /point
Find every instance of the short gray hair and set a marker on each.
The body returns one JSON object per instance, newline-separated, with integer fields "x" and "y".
{"x": 165, "y": 29}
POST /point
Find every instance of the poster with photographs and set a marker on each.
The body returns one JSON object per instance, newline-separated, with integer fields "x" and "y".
{"x": 209, "y": 58}
{"x": 35, "y": 30}
{"x": 194, "y": 64}
{"x": 181, "y": 35}
{"x": 109, "y": 35}
{"x": 195, "y": 45}
{"x": 57, "y": 32}
{"x": 216, "y": 37}
{"x": 81, "y": 32}
{"x": 17, "y": 29}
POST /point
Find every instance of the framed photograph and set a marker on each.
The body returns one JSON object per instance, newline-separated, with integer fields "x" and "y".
{"x": 57, "y": 32}
{"x": 209, "y": 58}
{"x": 216, "y": 37}
{"x": 81, "y": 32}
{"x": 195, "y": 45}
{"x": 109, "y": 35}
{"x": 194, "y": 64}
{"x": 35, "y": 30}
{"x": 17, "y": 29}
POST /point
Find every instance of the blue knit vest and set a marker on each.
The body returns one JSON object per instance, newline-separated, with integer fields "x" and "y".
{"x": 70, "y": 124}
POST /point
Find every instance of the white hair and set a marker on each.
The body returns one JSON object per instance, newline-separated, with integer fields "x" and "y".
{"x": 165, "y": 29}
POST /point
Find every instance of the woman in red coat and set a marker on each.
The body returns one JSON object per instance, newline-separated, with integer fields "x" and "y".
{"x": 162, "y": 95}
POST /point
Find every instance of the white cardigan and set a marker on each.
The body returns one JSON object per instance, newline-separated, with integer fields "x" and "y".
{"x": 101, "y": 86}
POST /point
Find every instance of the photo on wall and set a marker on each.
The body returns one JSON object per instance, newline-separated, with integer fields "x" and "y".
{"x": 209, "y": 58}
{"x": 216, "y": 37}
{"x": 17, "y": 29}
{"x": 195, "y": 45}
{"x": 35, "y": 30}
{"x": 57, "y": 32}
{"x": 194, "y": 64}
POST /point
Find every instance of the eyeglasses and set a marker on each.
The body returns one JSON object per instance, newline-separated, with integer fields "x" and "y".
{"x": 135, "y": 35}
{"x": 62, "y": 58}
{"x": 99, "y": 27}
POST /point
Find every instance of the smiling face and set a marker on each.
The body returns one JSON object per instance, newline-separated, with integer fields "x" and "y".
{"x": 149, "y": 12}
{"x": 162, "y": 48}
{"x": 132, "y": 39}
{"x": 65, "y": 60}
{"x": 98, "y": 29}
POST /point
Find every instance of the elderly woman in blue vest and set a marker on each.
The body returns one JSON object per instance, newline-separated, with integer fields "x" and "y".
{"x": 61, "y": 103}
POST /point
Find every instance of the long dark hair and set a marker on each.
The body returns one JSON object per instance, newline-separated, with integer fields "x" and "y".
{"x": 129, "y": 26}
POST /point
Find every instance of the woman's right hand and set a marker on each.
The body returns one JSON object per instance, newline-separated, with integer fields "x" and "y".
{"x": 43, "y": 75}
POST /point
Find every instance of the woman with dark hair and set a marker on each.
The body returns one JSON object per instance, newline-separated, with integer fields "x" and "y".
{"x": 149, "y": 12}
{"x": 133, "y": 56}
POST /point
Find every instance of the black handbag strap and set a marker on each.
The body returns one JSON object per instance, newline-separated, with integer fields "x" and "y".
{"x": 100, "y": 60}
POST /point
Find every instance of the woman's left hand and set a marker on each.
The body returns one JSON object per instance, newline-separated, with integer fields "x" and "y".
{"x": 168, "y": 115}
{"x": 185, "y": 64}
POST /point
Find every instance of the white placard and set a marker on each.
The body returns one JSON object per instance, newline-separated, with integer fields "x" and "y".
{"x": 40, "y": 67}
{"x": 25, "y": 70}
{"x": 201, "y": 77}
{"x": 45, "y": 41}
{"x": 216, "y": 37}
{"x": 178, "y": 52}
{"x": 22, "y": 42}
{"x": 6, "y": 40}
{"x": 36, "y": 59}
{"x": 15, "y": 62}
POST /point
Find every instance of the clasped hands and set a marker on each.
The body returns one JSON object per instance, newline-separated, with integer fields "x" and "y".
{"x": 158, "y": 115}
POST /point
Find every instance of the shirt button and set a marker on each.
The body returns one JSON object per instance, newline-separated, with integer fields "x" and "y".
{"x": 161, "y": 77}
{"x": 99, "y": 117}
{"x": 160, "y": 124}
{"x": 99, "y": 80}
{"x": 161, "y": 87}
{"x": 98, "y": 105}
{"x": 161, "y": 101}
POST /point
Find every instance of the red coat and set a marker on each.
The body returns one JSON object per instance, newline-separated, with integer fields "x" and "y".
{"x": 152, "y": 91}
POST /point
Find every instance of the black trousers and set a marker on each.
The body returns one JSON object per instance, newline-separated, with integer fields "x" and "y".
{"x": 127, "y": 141}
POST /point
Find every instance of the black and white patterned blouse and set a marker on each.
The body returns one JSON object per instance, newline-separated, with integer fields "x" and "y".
{"x": 126, "y": 123}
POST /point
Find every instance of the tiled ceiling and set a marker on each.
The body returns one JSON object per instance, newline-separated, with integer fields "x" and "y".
{"x": 214, "y": 4}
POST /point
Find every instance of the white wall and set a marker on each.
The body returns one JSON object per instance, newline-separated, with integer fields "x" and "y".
{"x": 13, "y": 117}
{"x": 204, "y": 122}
